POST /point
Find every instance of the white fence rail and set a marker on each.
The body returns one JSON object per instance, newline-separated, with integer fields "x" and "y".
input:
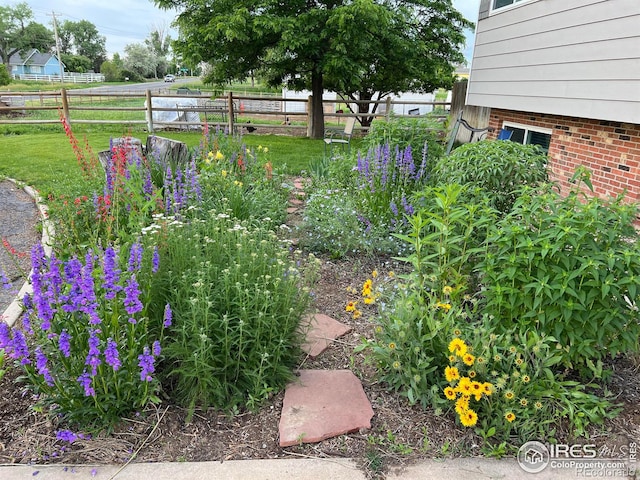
{"x": 69, "y": 77}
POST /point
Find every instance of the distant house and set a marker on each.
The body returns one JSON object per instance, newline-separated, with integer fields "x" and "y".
{"x": 565, "y": 74}
{"x": 34, "y": 62}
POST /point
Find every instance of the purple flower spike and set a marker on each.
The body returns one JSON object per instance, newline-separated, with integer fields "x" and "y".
{"x": 111, "y": 274}
{"x": 155, "y": 348}
{"x": 93, "y": 357}
{"x": 145, "y": 362}
{"x": 168, "y": 316}
{"x": 41, "y": 365}
{"x": 132, "y": 302}
{"x": 85, "y": 380}
{"x": 19, "y": 349}
{"x": 135, "y": 257}
{"x": 111, "y": 354}
{"x": 156, "y": 260}
{"x": 64, "y": 343}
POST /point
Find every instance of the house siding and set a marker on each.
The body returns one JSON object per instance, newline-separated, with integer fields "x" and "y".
{"x": 578, "y": 58}
{"x": 611, "y": 150}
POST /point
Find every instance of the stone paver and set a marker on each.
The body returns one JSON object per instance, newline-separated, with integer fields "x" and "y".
{"x": 320, "y": 330}
{"x": 322, "y": 404}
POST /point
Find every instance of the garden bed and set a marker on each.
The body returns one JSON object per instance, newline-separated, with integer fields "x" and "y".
{"x": 400, "y": 433}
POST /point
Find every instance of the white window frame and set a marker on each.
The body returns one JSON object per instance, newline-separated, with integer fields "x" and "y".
{"x": 529, "y": 128}
{"x": 515, "y": 4}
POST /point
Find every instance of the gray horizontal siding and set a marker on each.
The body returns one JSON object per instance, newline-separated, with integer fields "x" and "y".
{"x": 569, "y": 57}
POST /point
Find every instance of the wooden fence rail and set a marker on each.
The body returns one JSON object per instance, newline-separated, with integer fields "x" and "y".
{"x": 222, "y": 111}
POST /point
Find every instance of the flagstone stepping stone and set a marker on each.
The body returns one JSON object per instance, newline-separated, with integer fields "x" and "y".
{"x": 292, "y": 209}
{"x": 320, "y": 330}
{"x": 322, "y": 404}
{"x": 295, "y": 201}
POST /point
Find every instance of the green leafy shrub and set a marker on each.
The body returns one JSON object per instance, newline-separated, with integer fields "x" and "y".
{"x": 499, "y": 168}
{"x": 408, "y": 132}
{"x": 567, "y": 267}
{"x": 237, "y": 300}
{"x": 5, "y": 77}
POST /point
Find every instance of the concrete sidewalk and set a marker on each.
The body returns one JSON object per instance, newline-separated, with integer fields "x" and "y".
{"x": 287, "y": 469}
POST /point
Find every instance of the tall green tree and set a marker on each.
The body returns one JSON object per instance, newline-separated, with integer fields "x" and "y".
{"x": 159, "y": 42}
{"x": 19, "y": 33}
{"x": 140, "y": 59}
{"x": 82, "y": 38}
{"x": 354, "y": 47}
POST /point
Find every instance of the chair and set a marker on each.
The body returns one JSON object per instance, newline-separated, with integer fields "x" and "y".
{"x": 341, "y": 137}
{"x": 476, "y": 133}
{"x": 505, "y": 134}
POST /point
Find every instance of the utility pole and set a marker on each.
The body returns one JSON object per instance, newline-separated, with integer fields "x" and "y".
{"x": 55, "y": 33}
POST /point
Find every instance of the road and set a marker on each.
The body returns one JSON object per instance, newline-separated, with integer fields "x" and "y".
{"x": 155, "y": 87}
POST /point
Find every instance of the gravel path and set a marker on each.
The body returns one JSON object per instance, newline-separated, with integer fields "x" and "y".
{"x": 19, "y": 231}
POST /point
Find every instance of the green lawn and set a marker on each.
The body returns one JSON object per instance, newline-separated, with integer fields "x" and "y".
{"x": 47, "y": 161}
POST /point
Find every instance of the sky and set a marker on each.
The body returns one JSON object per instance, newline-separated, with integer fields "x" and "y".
{"x": 129, "y": 21}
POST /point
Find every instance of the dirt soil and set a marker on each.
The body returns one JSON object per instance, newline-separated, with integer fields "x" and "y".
{"x": 400, "y": 433}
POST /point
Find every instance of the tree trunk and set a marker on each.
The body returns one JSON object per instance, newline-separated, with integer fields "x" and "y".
{"x": 365, "y": 121}
{"x": 317, "y": 88}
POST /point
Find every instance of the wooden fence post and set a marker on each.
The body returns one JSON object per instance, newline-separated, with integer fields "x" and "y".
{"x": 231, "y": 112}
{"x": 309, "y": 115}
{"x": 65, "y": 105}
{"x": 149, "y": 112}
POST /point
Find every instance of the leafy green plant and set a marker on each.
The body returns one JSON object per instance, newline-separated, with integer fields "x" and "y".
{"x": 504, "y": 387}
{"x": 567, "y": 267}
{"x": 237, "y": 299}
{"x": 424, "y": 133}
{"x": 498, "y": 168}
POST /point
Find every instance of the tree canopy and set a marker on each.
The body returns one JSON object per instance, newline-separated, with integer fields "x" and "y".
{"x": 357, "y": 48}
{"x": 18, "y": 33}
{"x": 83, "y": 39}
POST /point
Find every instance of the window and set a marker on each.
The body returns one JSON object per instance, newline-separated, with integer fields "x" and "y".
{"x": 529, "y": 135}
{"x": 504, "y": 3}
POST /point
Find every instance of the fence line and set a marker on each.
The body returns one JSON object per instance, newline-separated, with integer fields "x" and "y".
{"x": 188, "y": 107}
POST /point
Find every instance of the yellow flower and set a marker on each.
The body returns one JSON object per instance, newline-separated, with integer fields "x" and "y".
{"x": 457, "y": 332}
{"x": 374, "y": 274}
{"x": 510, "y": 416}
{"x": 468, "y": 359}
{"x": 265, "y": 149}
{"x": 462, "y": 405}
{"x": 464, "y": 386}
{"x": 513, "y": 349}
{"x": 391, "y": 274}
{"x": 497, "y": 357}
{"x": 487, "y": 388}
{"x": 447, "y": 290}
{"x": 219, "y": 155}
{"x": 480, "y": 360}
{"x": 477, "y": 390}
{"x": 396, "y": 365}
{"x": 458, "y": 347}
{"x": 237, "y": 183}
{"x": 445, "y": 306}
{"x": 351, "y": 306}
{"x": 392, "y": 346}
{"x": 450, "y": 393}
{"x": 210, "y": 155}
{"x": 524, "y": 402}
{"x": 452, "y": 358}
{"x": 472, "y": 374}
{"x": 207, "y": 161}
{"x": 224, "y": 173}
{"x": 378, "y": 329}
{"x": 537, "y": 405}
{"x": 357, "y": 314}
{"x": 451, "y": 374}
{"x": 469, "y": 418}
{"x": 519, "y": 361}
{"x": 509, "y": 395}
{"x": 369, "y": 300}
{"x": 525, "y": 379}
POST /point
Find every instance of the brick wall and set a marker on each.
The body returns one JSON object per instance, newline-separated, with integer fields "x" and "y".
{"x": 611, "y": 150}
